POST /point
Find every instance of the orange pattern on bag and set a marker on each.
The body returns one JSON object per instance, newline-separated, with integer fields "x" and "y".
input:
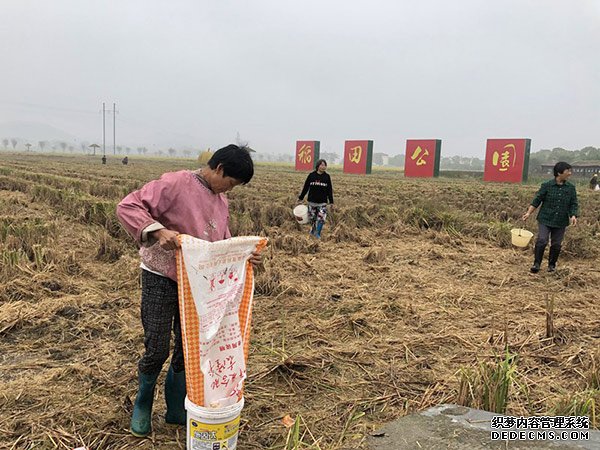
{"x": 190, "y": 327}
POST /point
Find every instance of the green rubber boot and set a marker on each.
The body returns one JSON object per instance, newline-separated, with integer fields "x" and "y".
{"x": 141, "y": 419}
{"x": 318, "y": 230}
{"x": 175, "y": 397}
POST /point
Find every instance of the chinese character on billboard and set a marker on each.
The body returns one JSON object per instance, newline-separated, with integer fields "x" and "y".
{"x": 422, "y": 158}
{"x": 307, "y": 154}
{"x": 358, "y": 157}
{"x": 507, "y": 160}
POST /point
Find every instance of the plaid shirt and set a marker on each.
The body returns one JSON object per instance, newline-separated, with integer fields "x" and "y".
{"x": 559, "y": 203}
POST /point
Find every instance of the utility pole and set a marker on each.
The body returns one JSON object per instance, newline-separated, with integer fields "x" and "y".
{"x": 114, "y": 129}
{"x": 103, "y": 128}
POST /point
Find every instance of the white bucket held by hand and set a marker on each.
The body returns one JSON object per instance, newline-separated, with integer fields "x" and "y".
{"x": 520, "y": 237}
{"x": 213, "y": 428}
{"x": 301, "y": 214}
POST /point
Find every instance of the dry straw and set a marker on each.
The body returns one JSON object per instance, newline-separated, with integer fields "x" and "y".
{"x": 370, "y": 323}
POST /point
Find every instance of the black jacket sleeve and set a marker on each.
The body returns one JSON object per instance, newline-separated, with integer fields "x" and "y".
{"x": 330, "y": 191}
{"x": 305, "y": 188}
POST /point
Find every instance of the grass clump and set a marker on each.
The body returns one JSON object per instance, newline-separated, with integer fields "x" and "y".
{"x": 296, "y": 437}
{"x": 579, "y": 404}
{"x": 488, "y": 385}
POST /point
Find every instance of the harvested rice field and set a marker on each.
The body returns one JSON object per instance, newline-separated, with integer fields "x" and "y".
{"x": 413, "y": 297}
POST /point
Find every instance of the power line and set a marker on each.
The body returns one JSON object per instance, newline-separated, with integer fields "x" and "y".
{"x": 114, "y": 128}
{"x": 114, "y": 113}
{"x": 48, "y": 107}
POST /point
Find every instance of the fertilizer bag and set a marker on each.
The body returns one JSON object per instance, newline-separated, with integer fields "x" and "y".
{"x": 216, "y": 286}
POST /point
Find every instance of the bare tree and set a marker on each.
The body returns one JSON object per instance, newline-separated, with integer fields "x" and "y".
{"x": 140, "y": 150}
{"x": 241, "y": 142}
{"x": 41, "y": 145}
{"x": 172, "y": 151}
{"x": 330, "y": 157}
{"x": 63, "y": 146}
{"x": 5, "y": 142}
{"x": 28, "y": 145}
{"x": 71, "y": 148}
{"x": 13, "y": 141}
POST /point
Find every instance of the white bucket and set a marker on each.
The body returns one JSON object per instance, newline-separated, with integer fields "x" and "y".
{"x": 301, "y": 214}
{"x": 520, "y": 237}
{"x": 212, "y": 428}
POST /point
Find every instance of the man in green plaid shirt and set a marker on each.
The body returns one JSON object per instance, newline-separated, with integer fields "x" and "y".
{"x": 559, "y": 210}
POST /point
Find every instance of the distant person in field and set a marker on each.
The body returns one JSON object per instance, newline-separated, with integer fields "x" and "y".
{"x": 188, "y": 202}
{"x": 320, "y": 191}
{"x": 558, "y": 198}
{"x": 125, "y": 161}
{"x": 594, "y": 182}
{"x": 103, "y": 159}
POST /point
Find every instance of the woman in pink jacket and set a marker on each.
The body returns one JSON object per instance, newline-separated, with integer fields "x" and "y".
{"x": 188, "y": 202}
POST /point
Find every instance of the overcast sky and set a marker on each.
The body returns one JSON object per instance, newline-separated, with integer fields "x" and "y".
{"x": 196, "y": 73}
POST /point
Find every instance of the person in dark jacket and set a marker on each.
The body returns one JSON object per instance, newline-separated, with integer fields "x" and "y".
{"x": 320, "y": 191}
{"x": 559, "y": 209}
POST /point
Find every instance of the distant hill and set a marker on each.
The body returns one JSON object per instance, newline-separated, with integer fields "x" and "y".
{"x": 33, "y": 132}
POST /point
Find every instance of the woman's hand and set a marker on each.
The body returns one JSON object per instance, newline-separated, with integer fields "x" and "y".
{"x": 528, "y": 213}
{"x": 167, "y": 239}
{"x": 255, "y": 259}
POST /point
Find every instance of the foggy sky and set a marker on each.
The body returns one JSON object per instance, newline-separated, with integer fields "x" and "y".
{"x": 199, "y": 72}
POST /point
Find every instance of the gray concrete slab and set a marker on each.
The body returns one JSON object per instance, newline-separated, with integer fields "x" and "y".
{"x": 461, "y": 428}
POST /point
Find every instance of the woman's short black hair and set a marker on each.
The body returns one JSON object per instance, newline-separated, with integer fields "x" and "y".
{"x": 236, "y": 162}
{"x": 319, "y": 162}
{"x": 560, "y": 167}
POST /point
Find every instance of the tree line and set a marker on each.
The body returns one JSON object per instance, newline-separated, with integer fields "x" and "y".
{"x": 536, "y": 159}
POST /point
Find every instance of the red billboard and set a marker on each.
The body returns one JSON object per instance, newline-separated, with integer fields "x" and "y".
{"x": 507, "y": 160}
{"x": 422, "y": 158}
{"x": 307, "y": 154}
{"x": 358, "y": 157}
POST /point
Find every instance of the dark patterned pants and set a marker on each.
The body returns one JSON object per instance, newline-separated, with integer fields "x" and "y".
{"x": 555, "y": 235}
{"x": 160, "y": 317}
